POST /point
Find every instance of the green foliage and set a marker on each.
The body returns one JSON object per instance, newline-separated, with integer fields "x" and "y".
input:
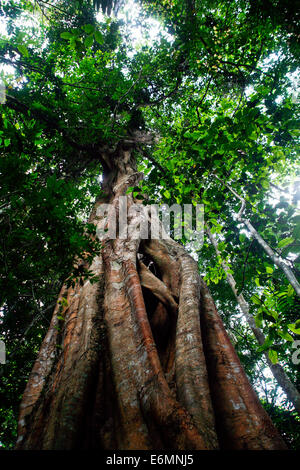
{"x": 287, "y": 423}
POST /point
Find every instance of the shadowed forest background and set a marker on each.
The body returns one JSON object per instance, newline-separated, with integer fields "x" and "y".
{"x": 194, "y": 102}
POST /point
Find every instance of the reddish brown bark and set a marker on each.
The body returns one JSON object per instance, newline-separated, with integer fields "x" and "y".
{"x": 141, "y": 360}
{"x": 241, "y": 422}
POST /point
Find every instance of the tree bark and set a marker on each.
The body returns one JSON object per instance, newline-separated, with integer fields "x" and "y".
{"x": 277, "y": 370}
{"x": 278, "y": 260}
{"x": 141, "y": 360}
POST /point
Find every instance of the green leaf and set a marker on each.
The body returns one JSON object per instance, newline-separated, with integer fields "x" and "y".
{"x": 258, "y": 319}
{"x": 290, "y": 291}
{"x": 294, "y": 327}
{"x": 20, "y": 37}
{"x": 64, "y": 302}
{"x": 214, "y": 222}
{"x": 23, "y": 50}
{"x": 255, "y": 300}
{"x": 267, "y": 344}
{"x": 88, "y": 28}
{"x": 265, "y": 184}
{"x": 167, "y": 194}
{"x": 286, "y": 336}
{"x": 99, "y": 37}
{"x": 269, "y": 270}
{"x": 66, "y": 35}
{"x": 89, "y": 41}
{"x": 273, "y": 356}
{"x": 285, "y": 242}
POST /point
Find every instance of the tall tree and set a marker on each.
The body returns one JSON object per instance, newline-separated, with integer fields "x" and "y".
{"x": 136, "y": 355}
{"x": 276, "y": 369}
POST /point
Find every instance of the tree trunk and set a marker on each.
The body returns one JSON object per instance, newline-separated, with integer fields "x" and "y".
{"x": 141, "y": 360}
{"x": 277, "y": 370}
{"x": 278, "y": 260}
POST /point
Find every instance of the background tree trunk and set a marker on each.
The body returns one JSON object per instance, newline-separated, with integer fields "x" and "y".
{"x": 277, "y": 260}
{"x": 276, "y": 369}
{"x": 141, "y": 359}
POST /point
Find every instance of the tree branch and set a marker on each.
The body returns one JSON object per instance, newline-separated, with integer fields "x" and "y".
{"x": 157, "y": 287}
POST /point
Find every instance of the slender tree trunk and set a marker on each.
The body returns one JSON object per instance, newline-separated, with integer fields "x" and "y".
{"x": 274, "y": 257}
{"x": 278, "y": 260}
{"x": 141, "y": 360}
{"x": 277, "y": 370}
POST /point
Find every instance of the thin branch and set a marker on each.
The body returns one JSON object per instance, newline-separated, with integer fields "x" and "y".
{"x": 123, "y": 96}
{"x": 238, "y": 105}
{"x": 205, "y": 93}
{"x": 81, "y": 86}
{"x": 278, "y": 260}
{"x": 163, "y": 97}
{"x": 50, "y": 5}
{"x": 42, "y": 10}
{"x": 52, "y": 122}
{"x": 245, "y": 264}
{"x": 152, "y": 160}
{"x": 277, "y": 370}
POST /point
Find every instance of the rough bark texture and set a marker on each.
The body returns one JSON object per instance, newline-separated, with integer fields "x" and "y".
{"x": 277, "y": 370}
{"x": 141, "y": 360}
